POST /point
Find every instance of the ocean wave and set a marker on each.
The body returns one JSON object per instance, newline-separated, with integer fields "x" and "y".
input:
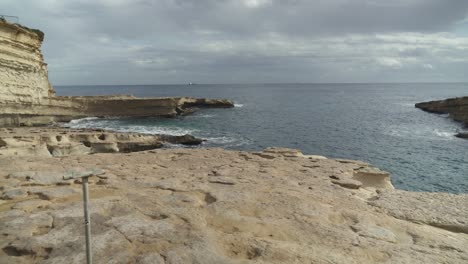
{"x": 221, "y": 140}
{"x": 444, "y": 133}
{"x": 152, "y": 130}
{"x": 238, "y": 105}
{"x": 226, "y": 141}
{"x": 117, "y": 126}
{"x": 81, "y": 120}
{"x": 421, "y": 132}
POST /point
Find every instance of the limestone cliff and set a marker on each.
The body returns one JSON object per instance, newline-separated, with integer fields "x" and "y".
{"x": 23, "y": 75}
{"x": 27, "y": 98}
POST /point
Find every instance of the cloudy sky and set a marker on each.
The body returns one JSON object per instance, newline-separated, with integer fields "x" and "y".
{"x": 249, "y": 41}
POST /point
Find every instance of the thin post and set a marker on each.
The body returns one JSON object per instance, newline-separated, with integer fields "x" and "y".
{"x": 84, "y": 175}
{"x": 87, "y": 220}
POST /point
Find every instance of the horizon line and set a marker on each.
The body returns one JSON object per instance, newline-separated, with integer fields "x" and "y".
{"x": 263, "y": 83}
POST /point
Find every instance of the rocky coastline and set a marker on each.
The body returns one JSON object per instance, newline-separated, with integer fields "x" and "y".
{"x": 456, "y": 108}
{"x": 27, "y": 98}
{"x": 220, "y": 206}
{"x": 191, "y": 205}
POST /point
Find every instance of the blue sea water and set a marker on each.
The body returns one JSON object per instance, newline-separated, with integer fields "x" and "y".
{"x": 377, "y": 123}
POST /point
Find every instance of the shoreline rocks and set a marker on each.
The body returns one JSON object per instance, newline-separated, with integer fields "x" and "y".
{"x": 457, "y": 108}
{"x": 57, "y": 142}
{"x": 220, "y": 206}
{"x": 462, "y": 135}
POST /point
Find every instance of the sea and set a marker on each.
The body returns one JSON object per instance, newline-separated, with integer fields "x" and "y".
{"x": 376, "y": 123}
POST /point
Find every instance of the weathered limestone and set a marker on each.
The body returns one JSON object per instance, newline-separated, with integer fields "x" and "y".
{"x": 31, "y": 205}
{"x": 443, "y": 212}
{"x": 219, "y": 206}
{"x": 373, "y": 177}
{"x": 23, "y": 77}
{"x": 27, "y": 98}
{"x": 34, "y": 142}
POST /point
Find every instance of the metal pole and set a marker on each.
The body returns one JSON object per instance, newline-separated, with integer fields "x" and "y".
{"x": 84, "y": 175}
{"x": 87, "y": 221}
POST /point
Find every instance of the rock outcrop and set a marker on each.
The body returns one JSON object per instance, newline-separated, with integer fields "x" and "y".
{"x": 48, "y": 142}
{"x": 457, "y": 108}
{"x": 218, "y": 206}
{"x": 27, "y": 98}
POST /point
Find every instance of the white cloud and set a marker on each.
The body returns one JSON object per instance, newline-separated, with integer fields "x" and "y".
{"x": 256, "y": 3}
{"x": 389, "y": 62}
{"x": 428, "y": 66}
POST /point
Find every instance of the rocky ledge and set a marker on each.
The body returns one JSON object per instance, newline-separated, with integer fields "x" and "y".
{"x": 219, "y": 206}
{"x": 457, "y": 108}
{"x": 47, "y": 142}
{"x": 27, "y": 98}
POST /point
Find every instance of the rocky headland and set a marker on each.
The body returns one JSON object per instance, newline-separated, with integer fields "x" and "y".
{"x": 456, "y": 108}
{"x": 191, "y": 205}
{"x": 27, "y": 98}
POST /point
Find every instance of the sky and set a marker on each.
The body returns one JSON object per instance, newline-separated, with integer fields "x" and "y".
{"x": 111, "y": 42}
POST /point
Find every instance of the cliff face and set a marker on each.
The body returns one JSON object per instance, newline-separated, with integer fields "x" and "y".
{"x": 23, "y": 78}
{"x": 27, "y": 98}
{"x": 457, "y": 108}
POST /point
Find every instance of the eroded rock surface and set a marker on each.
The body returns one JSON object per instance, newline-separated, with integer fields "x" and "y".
{"x": 46, "y": 142}
{"x": 219, "y": 206}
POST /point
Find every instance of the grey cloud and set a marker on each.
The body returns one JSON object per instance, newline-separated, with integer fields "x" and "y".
{"x": 302, "y": 17}
{"x": 175, "y": 41}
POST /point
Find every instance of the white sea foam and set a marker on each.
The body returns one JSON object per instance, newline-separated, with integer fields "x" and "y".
{"x": 238, "y": 105}
{"x": 228, "y": 141}
{"x": 81, "y": 120}
{"x": 221, "y": 140}
{"x": 421, "y": 132}
{"x": 446, "y": 134}
{"x": 116, "y": 125}
{"x": 175, "y": 131}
